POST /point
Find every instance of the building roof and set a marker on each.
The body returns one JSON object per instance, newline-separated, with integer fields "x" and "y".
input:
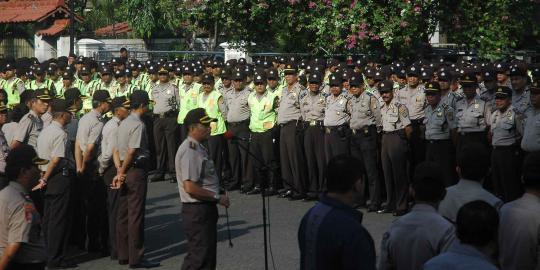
{"x": 17, "y": 11}
{"x": 119, "y": 28}
{"x": 56, "y": 28}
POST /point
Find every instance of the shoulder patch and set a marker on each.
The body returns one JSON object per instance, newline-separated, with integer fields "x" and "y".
{"x": 192, "y": 145}
{"x": 403, "y": 110}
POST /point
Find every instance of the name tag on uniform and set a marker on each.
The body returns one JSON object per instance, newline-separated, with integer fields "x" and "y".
{"x": 476, "y": 106}
{"x": 312, "y": 122}
{"x": 193, "y": 94}
{"x": 268, "y": 125}
{"x": 268, "y": 106}
{"x": 213, "y": 126}
{"x": 211, "y": 102}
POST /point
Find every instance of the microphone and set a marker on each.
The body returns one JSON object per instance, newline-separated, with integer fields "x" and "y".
{"x": 228, "y": 135}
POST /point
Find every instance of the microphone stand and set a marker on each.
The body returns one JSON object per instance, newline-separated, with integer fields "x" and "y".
{"x": 262, "y": 168}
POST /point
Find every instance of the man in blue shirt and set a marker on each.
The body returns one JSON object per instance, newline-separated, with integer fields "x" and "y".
{"x": 476, "y": 228}
{"x": 331, "y": 235}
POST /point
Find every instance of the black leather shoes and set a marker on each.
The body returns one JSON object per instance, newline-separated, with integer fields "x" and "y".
{"x": 144, "y": 264}
{"x": 296, "y": 197}
{"x": 385, "y": 211}
{"x": 254, "y": 191}
{"x": 373, "y": 208}
{"x": 286, "y": 194}
{"x": 270, "y": 192}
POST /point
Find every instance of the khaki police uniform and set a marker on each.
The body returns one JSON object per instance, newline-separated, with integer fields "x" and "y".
{"x": 366, "y": 120}
{"x": 439, "y": 122}
{"x": 21, "y": 223}
{"x": 336, "y": 125}
{"x": 395, "y": 117}
{"x": 472, "y": 119}
{"x": 415, "y": 101}
{"x": 28, "y": 129}
{"x": 132, "y": 200}
{"x": 58, "y": 211}
{"x": 165, "y": 128}
{"x": 199, "y": 218}
{"x": 95, "y": 192}
{"x": 506, "y": 154}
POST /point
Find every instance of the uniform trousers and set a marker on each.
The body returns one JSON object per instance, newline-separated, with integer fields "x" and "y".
{"x": 237, "y": 154}
{"x": 148, "y": 119}
{"x": 130, "y": 216}
{"x": 96, "y": 205}
{"x": 467, "y": 138}
{"x": 443, "y": 153}
{"x": 200, "y": 225}
{"x": 417, "y": 143}
{"x": 292, "y": 156}
{"x": 25, "y": 266}
{"x": 112, "y": 209}
{"x": 336, "y": 141}
{"x": 506, "y": 169}
{"x": 394, "y": 155}
{"x": 315, "y": 158}
{"x": 166, "y": 142}
{"x": 57, "y": 219}
{"x": 364, "y": 147}
{"x": 262, "y": 147}
{"x": 215, "y": 149}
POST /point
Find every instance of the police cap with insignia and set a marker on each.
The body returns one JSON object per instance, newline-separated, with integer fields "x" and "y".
{"x": 207, "y": 79}
{"x": 468, "y": 79}
{"x": 187, "y": 70}
{"x": 152, "y": 69}
{"x": 517, "y": 71}
{"x": 119, "y": 73}
{"x": 163, "y": 71}
{"x": 259, "y": 78}
{"x": 238, "y": 75}
{"x": 42, "y": 93}
{"x": 290, "y": 69}
{"x": 61, "y": 105}
{"x": 413, "y": 71}
{"x": 102, "y": 96}
{"x": 432, "y": 88}
{"x": 106, "y": 71}
{"x": 489, "y": 75}
{"x": 225, "y": 74}
{"x": 501, "y": 68}
{"x": 198, "y": 116}
{"x": 503, "y": 92}
{"x": 121, "y": 101}
{"x": 84, "y": 71}
{"x": 356, "y": 80}
{"x": 315, "y": 78}
{"x": 9, "y": 66}
{"x": 23, "y": 156}
{"x": 335, "y": 80}
{"x": 370, "y": 72}
{"x": 386, "y": 86}
{"x": 272, "y": 74}
{"x": 72, "y": 94}
{"x": 138, "y": 98}
{"x": 39, "y": 71}
{"x": 444, "y": 76}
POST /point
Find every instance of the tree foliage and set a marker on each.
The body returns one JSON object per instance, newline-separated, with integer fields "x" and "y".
{"x": 396, "y": 27}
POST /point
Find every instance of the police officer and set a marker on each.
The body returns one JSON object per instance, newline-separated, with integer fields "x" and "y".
{"x": 57, "y": 177}
{"x": 520, "y": 97}
{"x": 21, "y": 243}
{"x": 365, "y": 123}
{"x": 412, "y": 96}
{"x": 214, "y": 104}
{"x": 291, "y": 135}
{"x": 490, "y": 85}
{"x": 40, "y": 80}
{"x": 506, "y": 155}
{"x": 166, "y": 98}
{"x": 153, "y": 80}
{"x": 312, "y": 107}
{"x": 198, "y": 186}
{"x": 131, "y": 158}
{"x": 189, "y": 92}
{"x": 86, "y": 153}
{"x": 530, "y": 142}
{"x": 106, "y": 82}
{"x": 263, "y": 105}
{"x": 472, "y": 114}
{"x": 87, "y": 86}
{"x": 122, "y": 86}
{"x": 106, "y": 169}
{"x": 31, "y": 124}
{"x": 396, "y": 127}
{"x": 336, "y": 119}
{"x": 440, "y": 123}
{"x": 226, "y": 83}
{"x": 273, "y": 85}
{"x": 448, "y": 96}
{"x": 4, "y": 146}
{"x": 13, "y": 85}
{"x": 238, "y": 114}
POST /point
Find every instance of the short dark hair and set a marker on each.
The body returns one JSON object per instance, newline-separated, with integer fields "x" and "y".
{"x": 19, "y": 158}
{"x": 342, "y": 172}
{"x": 477, "y": 223}
{"x": 473, "y": 161}
{"x": 427, "y": 183}
{"x": 123, "y": 49}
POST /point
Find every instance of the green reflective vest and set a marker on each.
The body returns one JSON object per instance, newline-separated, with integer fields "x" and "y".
{"x": 211, "y": 105}
{"x": 33, "y": 85}
{"x": 13, "y": 92}
{"x": 263, "y": 114}
{"x": 188, "y": 99}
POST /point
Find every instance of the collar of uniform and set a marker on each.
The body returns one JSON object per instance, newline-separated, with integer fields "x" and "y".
{"x": 18, "y": 187}
{"x": 531, "y": 198}
{"x": 116, "y": 119}
{"x": 57, "y": 124}
{"x": 469, "y": 183}
{"x": 32, "y": 112}
{"x": 423, "y": 207}
{"x": 134, "y": 116}
{"x": 98, "y": 114}
{"x": 339, "y": 205}
{"x": 191, "y": 139}
{"x": 468, "y": 250}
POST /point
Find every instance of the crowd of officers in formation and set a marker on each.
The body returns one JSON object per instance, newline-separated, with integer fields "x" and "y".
{"x": 104, "y": 124}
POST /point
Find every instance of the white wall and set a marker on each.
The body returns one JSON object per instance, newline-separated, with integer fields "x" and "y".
{"x": 43, "y": 48}
{"x": 62, "y": 46}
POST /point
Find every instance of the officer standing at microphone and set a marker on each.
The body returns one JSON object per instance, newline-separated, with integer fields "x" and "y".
{"x": 198, "y": 185}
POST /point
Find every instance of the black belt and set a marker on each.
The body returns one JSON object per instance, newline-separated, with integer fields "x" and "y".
{"x": 199, "y": 203}
{"x": 314, "y": 123}
{"x": 392, "y": 132}
{"x": 166, "y": 114}
{"x": 364, "y": 130}
{"x": 463, "y": 133}
{"x": 235, "y": 124}
{"x": 289, "y": 122}
{"x": 438, "y": 141}
{"x": 505, "y": 146}
{"x": 417, "y": 121}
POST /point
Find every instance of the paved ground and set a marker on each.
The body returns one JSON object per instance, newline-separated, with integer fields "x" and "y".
{"x": 165, "y": 240}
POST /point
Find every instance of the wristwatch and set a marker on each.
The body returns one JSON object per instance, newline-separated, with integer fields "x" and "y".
{"x": 217, "y": 197}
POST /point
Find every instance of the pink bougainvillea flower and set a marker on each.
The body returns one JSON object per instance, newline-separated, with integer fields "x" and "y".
{"x": 362, "y": 35}
{"x": 417, "y": 9}
{"x": 353, "y": 4}
{"x": 375, "y": 37}
{"x": 363, "y": 26}
{"x": 504, "y": 18}
{"x": 292, "y": 2}
{"x": 311, "y": 4}
{"x": 404, "y": 24}
{"x": 351, "y": 42}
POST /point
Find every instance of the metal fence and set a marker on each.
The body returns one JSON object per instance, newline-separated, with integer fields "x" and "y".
{"x": 106, "y": 55}
{"x": 16, "y": 48}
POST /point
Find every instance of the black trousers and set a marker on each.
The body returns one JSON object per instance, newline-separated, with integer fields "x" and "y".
{"x": 394, "y": 155}
{"x": 292, "y": 156}
{"x": 465, "y": 139}
{"x": 200, "y": 225}
{"x": 130, "y": 217}
{"x": 25, "y": 266}
{"x": 238, "y": 155}
{"x": 364, "y": 147}
{"x": 57, "y": 222}
{"x": 215, "y": 148}
{"x": 443, "y": 153}
{"x": 96, "y": 205}
{"x": 166, "y": 143}
{"x": 112, "y": 209}
{"x": 506, "y": 172}
{"x": 336, "y": 141}
{"x": 417, "y": 143}
{"x": 315, "y": 158}
{"x": 262, "y": 147}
